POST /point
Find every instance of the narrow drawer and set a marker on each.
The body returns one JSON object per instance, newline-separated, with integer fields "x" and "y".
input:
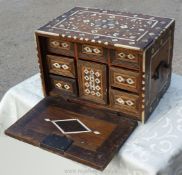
{"x": 63, "y": 86}
{"x": 125, "y": 58}
{"x": 124, "y": 79}
{"x": 61, "y": 65}
{"x": 124, "y": 102}
{"x": 62, "y": 47}
{"x": 93, "y": 53}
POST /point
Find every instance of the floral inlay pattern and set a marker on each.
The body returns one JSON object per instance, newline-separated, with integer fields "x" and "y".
{"x": 108, "y": 27}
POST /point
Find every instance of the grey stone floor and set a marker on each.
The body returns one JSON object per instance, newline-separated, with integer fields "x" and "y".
{"x": 19, "y": 19}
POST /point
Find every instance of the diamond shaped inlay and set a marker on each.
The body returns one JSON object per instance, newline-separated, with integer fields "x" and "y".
{"x": 59, "y": 85}
{"x": 131, "y": 57}
{"x": 55, "y": 44}
{"x": 65, "y": 45}
{"x": 130, "y": 81}
{"x": 88, "y": 49}
{"x": 120, "y": 101}
{"x": 65, "y": 67}
{"x": 120, "y": 79}
{"x": 92, "y": 82}
{"x": 96, "y": 50}
{"x": 66, "y": 86}
{"x": 57, "y": 65}
{"x": 129, "y": 103}
{"x": 122, "y": 55}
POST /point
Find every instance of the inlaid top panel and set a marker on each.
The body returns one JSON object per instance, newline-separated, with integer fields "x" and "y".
{"x": 108, "y": 27}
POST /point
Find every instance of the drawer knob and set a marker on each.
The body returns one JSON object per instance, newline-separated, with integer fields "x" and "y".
{"x": 88, "y": 49}
{"x": 129, "y": 103}
{"x": 66, "y": 86}
{"x": 120, "y": 79}
{"x": 96, "y": 50}
{"x": 57, "y": 65}
{"x": 59, "y": 85}
{"x": 120, "y": 101}
{"x": 55, "y": 44}
{"x": 131, "y": 57}
{"x": 130, "y": 81}
{"x": 64, "y": 45}
{"x": 122, "y": 55}
{"x": 65, "y": 67}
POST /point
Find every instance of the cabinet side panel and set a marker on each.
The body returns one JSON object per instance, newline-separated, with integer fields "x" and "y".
{"x": 41, "y": 54}
{"x": 158, "y": 69}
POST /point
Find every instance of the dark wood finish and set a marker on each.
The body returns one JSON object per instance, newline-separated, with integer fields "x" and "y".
{"x": 101, "y": 67}
{"x": 92, "y": 53}
{"x": 124, "y": 79}
{"x": 126, "y": 47}
{"x": 61, "y": 65}
{"x": 60, "y": 46}
{"x": 92, "y": 81}
{"x": 126, "y": 58}
{"x": 90, "y": 148}
{"x": 63, "y": 86}
{"x": 125, "y": 102}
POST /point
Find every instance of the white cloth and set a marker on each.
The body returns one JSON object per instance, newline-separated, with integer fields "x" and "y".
{"x": 154, "y": 148}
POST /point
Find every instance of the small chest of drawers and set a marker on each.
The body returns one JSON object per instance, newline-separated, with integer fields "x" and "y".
{"x": 119, "y": 61}
{"x": 101, "y": 71}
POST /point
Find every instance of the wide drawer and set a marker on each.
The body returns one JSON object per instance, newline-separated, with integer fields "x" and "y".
{"x": 124, "y": 102}
{"x": 93, "y": 53}
{"x": 61, "y": 65}
{"x": 125, "y": 58}
{"x": 124, "y": 79}
{"x": 63, "y": 86}
{"x": 59, "y": 46}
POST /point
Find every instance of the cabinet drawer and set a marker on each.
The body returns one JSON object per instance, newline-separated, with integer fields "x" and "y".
{"x": 61, "y": 47}
{"x": 93, "y": 53}
{"x": 124, "y": 102}
{"x": 124, "y": 79}
{"x": 92, "y": 81}
{"x": 61, "y": 65}
{"x": 63, "y": 86}
{"x": 125, "y": 58}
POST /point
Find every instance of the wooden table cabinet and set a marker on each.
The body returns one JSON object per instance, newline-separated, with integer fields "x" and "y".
{"x": 107, "y": 69}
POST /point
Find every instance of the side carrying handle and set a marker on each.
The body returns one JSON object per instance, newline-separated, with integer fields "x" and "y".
{"x": 161, "y": 65}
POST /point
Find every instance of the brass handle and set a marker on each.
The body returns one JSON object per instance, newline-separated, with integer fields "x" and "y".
{"x": 159, "y": 68}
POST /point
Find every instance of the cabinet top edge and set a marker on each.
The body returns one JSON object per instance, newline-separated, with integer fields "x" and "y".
{"x": 107, "y": 27}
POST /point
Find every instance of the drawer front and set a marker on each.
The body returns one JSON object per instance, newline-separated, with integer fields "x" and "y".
{"x": 123, "y": 79}
{"x": 61, "y": 65}
{"x": 94, "y": 53}
{"x": 92, "y": 81}
{"x": 61, "y": 47}
{"x": 63, "y": 86}
{"x": 125, "y": 58}
{"x": 124, "y": 102}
